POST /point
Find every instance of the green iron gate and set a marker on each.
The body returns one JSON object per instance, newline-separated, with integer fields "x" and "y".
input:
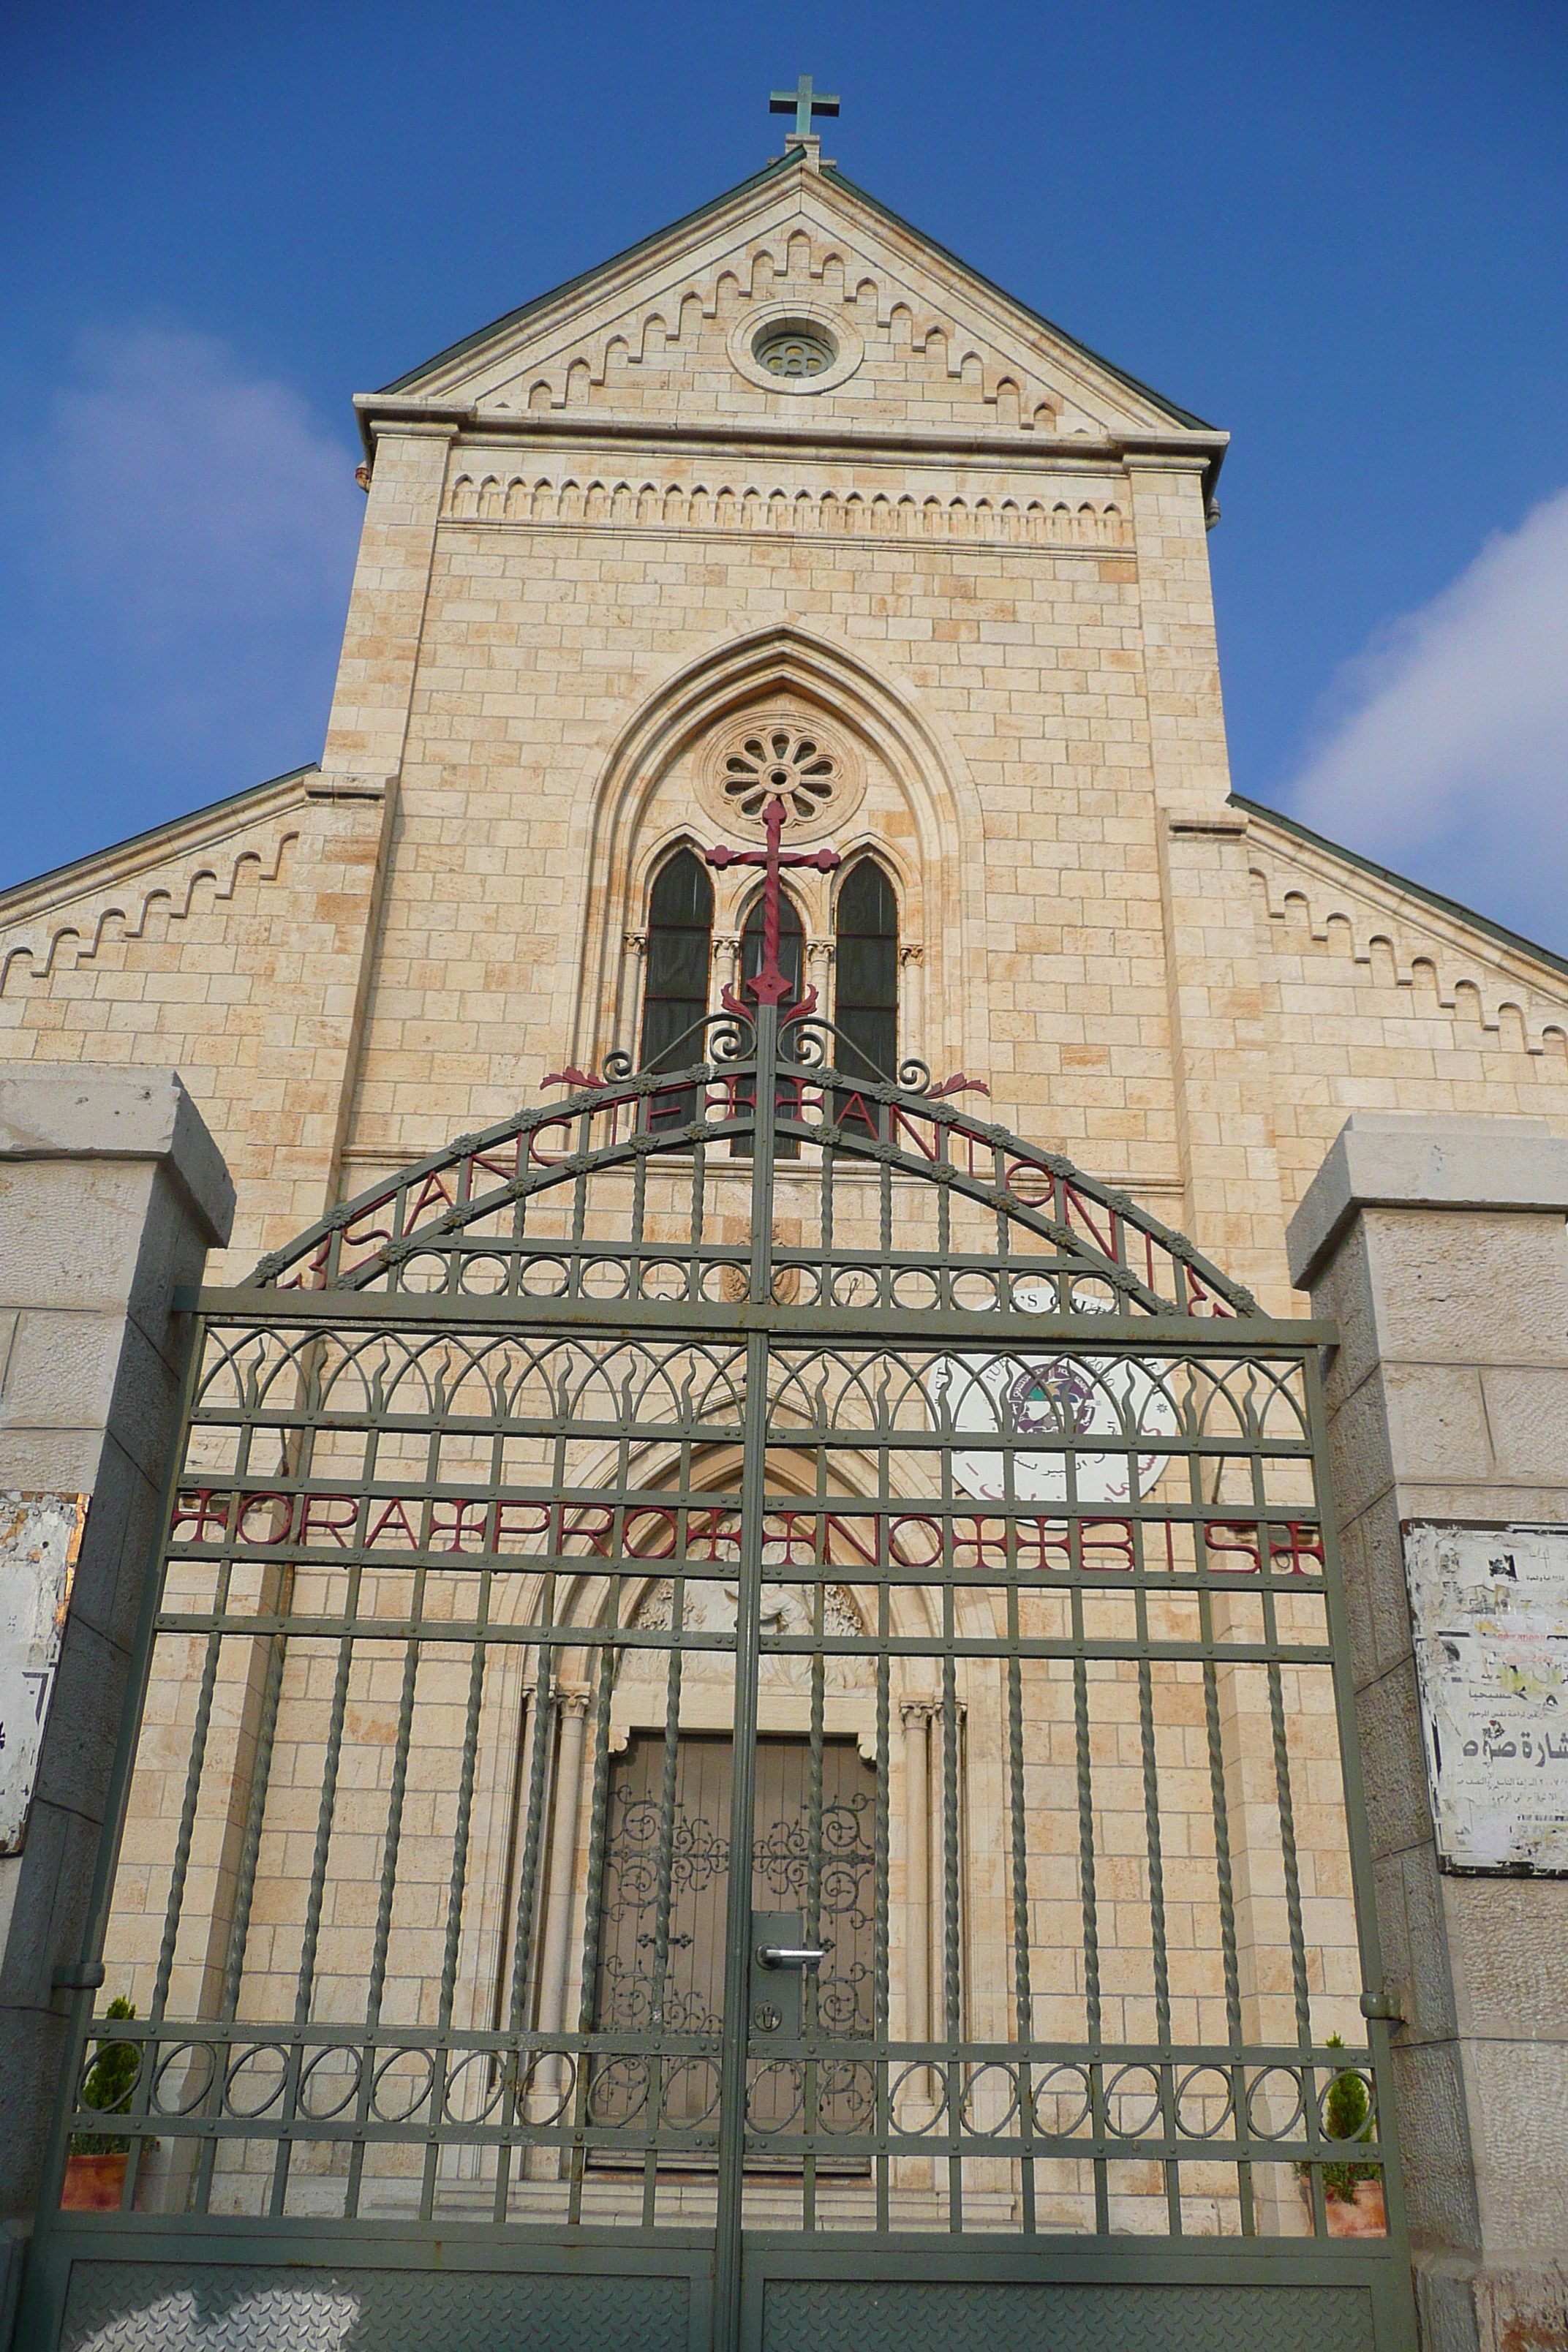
{"x": 741, "y": 1739}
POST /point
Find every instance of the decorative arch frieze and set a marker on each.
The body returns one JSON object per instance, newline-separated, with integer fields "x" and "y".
{"x": 1300, "y": 909}
{"x": 480, "y": 493}
{"x": 74, "y": 934}
{"x": 649, "y": 338}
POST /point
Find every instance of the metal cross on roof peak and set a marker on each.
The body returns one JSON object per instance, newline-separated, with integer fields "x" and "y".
{"x": 803, "y": 102}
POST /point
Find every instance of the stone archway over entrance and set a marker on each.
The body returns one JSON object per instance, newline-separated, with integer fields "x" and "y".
{"x": 697, "y": 1789}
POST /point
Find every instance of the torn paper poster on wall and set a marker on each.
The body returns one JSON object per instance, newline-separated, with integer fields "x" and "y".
{"x": 40, "y": 1536}
{"x": 1489, "y": 1611}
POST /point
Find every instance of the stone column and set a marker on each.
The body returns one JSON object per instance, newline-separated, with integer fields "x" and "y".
{"x": 726, "y": 967}
{"x": 1219, "y": 1042}
{"x": 912, "y": 1036}
{"x": 1438, "y": 1245}
{"x": 913, "y": 2087}
{"x": 627, "y": 1026}
{"x": 111, "y": 1192}
{"x": 1176, "y": 603}
{"x": 556, "y": 1962}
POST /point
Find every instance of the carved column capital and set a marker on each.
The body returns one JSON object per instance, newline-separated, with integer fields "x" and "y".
{"x": 636, "y": 942}
{"x": 912, "y": 951}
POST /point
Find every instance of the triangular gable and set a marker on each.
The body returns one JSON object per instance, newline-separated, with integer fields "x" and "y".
{"x": 648, "y": 333}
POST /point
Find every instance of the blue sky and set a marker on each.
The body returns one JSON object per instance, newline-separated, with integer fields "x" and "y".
{"x": 1337, "y": 230}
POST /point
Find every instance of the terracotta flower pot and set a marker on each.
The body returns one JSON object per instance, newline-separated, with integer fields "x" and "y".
{"x": 1362, "y": 2216}
{"x": 94, "y": 2184}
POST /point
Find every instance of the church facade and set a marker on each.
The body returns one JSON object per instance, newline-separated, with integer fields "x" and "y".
{"x": 605, "y": 546}
{"x": 748, "y": 1702}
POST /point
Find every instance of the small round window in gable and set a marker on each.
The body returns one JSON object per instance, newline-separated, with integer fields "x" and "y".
{"x": 783, "y": 763}
{"x": 793, "y": 351}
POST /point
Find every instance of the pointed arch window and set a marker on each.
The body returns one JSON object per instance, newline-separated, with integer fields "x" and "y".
{"x": 865, "y": 968}
{"x": 674, "y": 991}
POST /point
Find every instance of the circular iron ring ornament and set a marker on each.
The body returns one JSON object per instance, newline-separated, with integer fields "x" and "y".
{"x": 785, "y": 754}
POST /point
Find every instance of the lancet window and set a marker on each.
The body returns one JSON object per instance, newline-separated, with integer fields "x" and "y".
{"x": 865, "y": 962}
{"x": 680, "y": 951}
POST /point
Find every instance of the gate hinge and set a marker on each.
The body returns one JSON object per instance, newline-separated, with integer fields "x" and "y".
{"x": 1383, "y": 2005}
{"x": 79, "y": 1975}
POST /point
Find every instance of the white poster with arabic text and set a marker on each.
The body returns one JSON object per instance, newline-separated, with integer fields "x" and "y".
{"x": 1489, "y": 1609}
{"x": 39, "y": 1539}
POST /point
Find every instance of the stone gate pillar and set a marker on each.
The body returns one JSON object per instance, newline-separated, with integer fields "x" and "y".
{"x": 111, "y": 1192}
{"x": 1438, "y": 1246}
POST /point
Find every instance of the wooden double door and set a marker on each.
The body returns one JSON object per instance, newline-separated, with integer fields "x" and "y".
{"x": 665, "y": 1896}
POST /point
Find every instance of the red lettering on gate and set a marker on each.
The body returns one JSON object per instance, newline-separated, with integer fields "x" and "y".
{"x": 201, "y": 1508}
{"x": 459, "y": 1518}
{"x": 392, "y": 1515}
{"x": 324, "y": 1518}
{"x": 1291, "y": 1543}
{"x": 278, "y": 1532}
{"x": 925, "y": 1138}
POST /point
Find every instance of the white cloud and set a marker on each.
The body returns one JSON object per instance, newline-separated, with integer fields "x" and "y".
{"x": 206, "y": 513}
{"x": 1447, "y": 755}
{"x": 181, "y": 540}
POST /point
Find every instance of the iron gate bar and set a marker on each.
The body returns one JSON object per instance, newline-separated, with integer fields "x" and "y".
{"x": 402, "y": 1630}
{"x": 728, "y": 2238}
{"x": 996, "y": 1330}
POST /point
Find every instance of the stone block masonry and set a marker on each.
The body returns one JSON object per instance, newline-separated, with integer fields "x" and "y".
{"x": 111, "y": 1194}
{"x": 1438, "y": 1246}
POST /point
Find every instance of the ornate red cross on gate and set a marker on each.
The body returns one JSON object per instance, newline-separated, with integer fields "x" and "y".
{"x": 770, "y": 986}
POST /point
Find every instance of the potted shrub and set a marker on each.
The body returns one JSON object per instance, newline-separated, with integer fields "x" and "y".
{"x": 1353, "y": 2188}
{"x": 95, "y": 2169}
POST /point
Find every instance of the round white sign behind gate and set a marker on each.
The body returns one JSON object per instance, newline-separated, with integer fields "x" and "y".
{"x": 1087, "y": 1397}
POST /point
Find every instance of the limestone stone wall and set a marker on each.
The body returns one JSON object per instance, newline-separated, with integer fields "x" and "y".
{"x": 233, "y": 949}
{"x": 1037, "y": 725}
{"x": 995, "y": 691}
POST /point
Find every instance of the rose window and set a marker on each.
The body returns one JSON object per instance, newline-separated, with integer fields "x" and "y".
{"x": 793, "y": 351}
{"x": 782, "y": 763}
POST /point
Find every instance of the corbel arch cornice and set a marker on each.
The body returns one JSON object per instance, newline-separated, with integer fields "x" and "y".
{"x": 610, "y": 852}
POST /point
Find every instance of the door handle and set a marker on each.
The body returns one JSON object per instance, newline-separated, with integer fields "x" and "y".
{"x": 792, "y": 1955}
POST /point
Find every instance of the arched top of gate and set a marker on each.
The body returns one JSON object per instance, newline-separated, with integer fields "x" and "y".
{"x": 638, "y": 1187}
